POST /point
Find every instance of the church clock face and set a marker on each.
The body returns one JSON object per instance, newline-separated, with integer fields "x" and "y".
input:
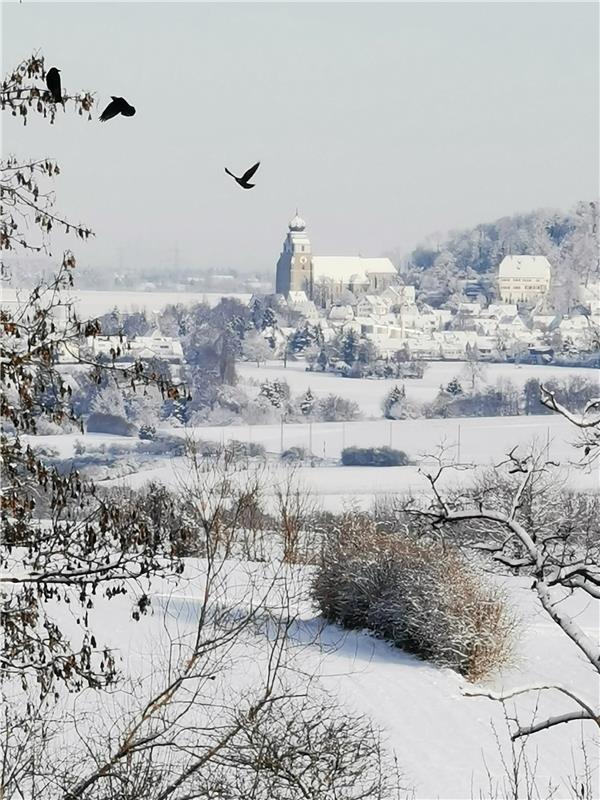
{"x": 303, "y": 259}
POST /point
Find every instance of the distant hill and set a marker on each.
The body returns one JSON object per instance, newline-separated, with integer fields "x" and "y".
{"x": 568, "y": 240}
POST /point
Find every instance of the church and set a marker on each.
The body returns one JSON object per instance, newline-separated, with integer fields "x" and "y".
{"x": 324, "y": 278}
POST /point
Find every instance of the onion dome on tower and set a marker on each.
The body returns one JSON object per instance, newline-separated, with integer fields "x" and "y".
{"x": 297, "y": 223}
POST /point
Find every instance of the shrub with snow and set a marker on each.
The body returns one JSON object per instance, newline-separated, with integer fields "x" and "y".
{"x": 147, "y": 432}
{"x": 295, "y": 454}
{"x": 425, "y": 599}
{"x": 374, "y": 457}
{"x": 333, "y": 408}
{"x": 110, "y": 423}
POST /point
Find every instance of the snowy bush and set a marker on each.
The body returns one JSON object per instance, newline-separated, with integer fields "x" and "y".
{"x": 396, "y": 405}
{"x": 295, "y": 454}
{"x": 163, "y": 445}
{"x": 424, "y": 598}
{"x": 147, "y": 432}
{"x": 110, "y": 423}
{"x": 337, "y": 409}
{"x": 374, "y": 457}
{"x": 235, "y": 450}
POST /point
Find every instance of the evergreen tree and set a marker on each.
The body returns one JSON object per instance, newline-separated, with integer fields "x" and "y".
{"x": 322, "y": 359}
{"x": 269, "y": 319}
{"x": 349, "y": 347}
{"x": 454, "y": 388}
{"x": 307, "y": 403}
{"x": 395, "y": 405}
{"x": 275, "y": 392}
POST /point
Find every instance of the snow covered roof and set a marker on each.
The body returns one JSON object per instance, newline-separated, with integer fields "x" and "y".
{"x": 344, "y": 268}
{"x": 501, "y": 310}
{"x": 340, "y": 312}
{"x": 525, "y": 267}
{"x": 297, "y": 297}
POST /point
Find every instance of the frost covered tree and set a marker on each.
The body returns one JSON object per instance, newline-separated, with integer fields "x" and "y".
{"x": 473, "y": 370}
{"x": 275, "y": 392}
{"x": 395, "y": 405}
{"x": 307, "y": 403}
{"x": 454, "y": 388}
{"x": 256, "y": 348}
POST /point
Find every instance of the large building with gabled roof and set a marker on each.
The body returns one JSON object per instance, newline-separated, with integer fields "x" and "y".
{"x": 326, "y": 277}
{"x": 524, "y": 279}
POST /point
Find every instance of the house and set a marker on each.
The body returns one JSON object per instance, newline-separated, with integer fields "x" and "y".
{"x": 499, "y": 310}
{"x": 156, "y": 346}
{"x": 339, "y": 314}
{"x": 108, "y": 346}
{"x": 371, "y": 305}
{"x": 298, "y": 301}
{"x": 524, "y": 279}
{"x": 398, "y": 295}
{"x": 469, "y": 309}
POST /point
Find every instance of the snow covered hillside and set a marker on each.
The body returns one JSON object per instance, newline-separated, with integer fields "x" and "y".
{"x": 444, "y": 740}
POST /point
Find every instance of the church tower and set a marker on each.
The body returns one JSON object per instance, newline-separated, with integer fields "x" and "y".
{"x": 294, "y": 268}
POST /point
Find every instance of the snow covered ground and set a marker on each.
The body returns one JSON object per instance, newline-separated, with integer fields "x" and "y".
{"x": 93, "y": 303}
{"x": 444, "y": 740}
{"x": 481, "y": 441}
{"x": 369, "y": 392}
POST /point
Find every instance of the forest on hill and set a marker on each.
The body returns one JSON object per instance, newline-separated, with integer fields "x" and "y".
{"x": 568, "y": 239}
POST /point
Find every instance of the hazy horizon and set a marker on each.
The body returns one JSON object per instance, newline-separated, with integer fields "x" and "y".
{"x": 382, "y": 123}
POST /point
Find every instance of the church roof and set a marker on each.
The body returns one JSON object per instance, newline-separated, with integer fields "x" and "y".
{"x": 344, "y": 268}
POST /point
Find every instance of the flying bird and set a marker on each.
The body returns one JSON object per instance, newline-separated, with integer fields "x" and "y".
{"x": 243, "y": 181}
{"x": 53, "y": 84}
{"x": 118, "y": 105}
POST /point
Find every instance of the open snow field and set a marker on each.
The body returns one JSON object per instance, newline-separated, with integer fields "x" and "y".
{"x": 482, "y": 441}
{"x": 369, "y": 392}
{"x": 93, "y": 303}
{"x": 444, "y": 741}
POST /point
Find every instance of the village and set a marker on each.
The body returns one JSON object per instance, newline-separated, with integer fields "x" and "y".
{"x": 326, "y": 297}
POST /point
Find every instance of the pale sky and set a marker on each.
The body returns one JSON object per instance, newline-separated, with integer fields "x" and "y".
{"x": 382, "y": 123}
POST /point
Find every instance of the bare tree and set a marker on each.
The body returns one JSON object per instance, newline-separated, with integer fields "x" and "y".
{"x": 558, "y": 562}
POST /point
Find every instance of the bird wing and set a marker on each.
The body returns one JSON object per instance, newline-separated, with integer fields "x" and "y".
{"x": 111, "y": 110}
{"x": 249, "y": 173}
{"x": 230, "y": 173}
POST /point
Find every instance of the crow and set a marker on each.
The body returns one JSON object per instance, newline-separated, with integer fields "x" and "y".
{"x": 118, "y": 105}
{"x": 53, "y": 84}
{"x": 243, "y": 181}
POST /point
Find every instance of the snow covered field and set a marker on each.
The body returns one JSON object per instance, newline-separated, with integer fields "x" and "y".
{"x": 444, "y": 740}
{"x": 369, "y": 392}
{"x": 484, "y": 441}
{"x": 93, "y": 303}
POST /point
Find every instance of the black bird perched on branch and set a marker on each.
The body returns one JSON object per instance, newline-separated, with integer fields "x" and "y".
{"x": 53, "y": 84}
{"x": 243, "y": 181}
{"x": 118, "y": 105}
